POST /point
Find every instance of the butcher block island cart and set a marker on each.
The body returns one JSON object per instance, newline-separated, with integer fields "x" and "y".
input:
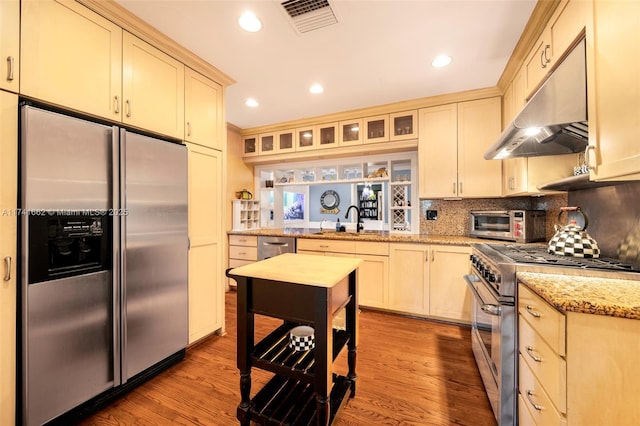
{"x": 300, "y": 289}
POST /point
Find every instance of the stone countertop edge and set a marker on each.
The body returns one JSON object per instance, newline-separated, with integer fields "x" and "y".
{"x": 587, "y": 295}
{"x": 370, "y": 236}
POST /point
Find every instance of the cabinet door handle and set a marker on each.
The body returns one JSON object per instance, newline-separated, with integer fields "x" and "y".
{"x": 532, "y": 354}
{"x": 532, "y": 402}
{"x": 433, "y": 255}
{"x": 460, "y": 188}
{"x": 128, "y": 105}
{"x": 545, "y": 51}
{"x": 533, "y": 313}
{"x": 587, "y": 157}
{"x": 7, "y": 265}
{"x": 116, "y": 104}
{"x": 188, "y": 128}
{"x": 454, "y": 187}
{"x": 10, "y": 67}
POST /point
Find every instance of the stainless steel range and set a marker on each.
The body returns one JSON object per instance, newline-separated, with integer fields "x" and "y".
{"x": 494, "y": 324}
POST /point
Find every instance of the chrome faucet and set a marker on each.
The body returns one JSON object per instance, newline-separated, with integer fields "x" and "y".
{"x": 359, "y": 224}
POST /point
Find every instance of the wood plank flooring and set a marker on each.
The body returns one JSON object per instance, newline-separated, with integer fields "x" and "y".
{"x": 410, "y": 372}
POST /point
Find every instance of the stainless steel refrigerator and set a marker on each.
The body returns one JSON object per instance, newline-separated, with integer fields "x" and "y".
{"x": 104, "y": 248}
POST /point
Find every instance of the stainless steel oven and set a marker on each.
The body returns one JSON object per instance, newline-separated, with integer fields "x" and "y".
{"x": 493, "y": 283}
{"x": 494, "y": 333}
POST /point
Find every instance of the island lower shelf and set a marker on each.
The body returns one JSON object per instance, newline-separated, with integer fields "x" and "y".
{"x": 274, "y": 354}
{"x": 285, "y": 401}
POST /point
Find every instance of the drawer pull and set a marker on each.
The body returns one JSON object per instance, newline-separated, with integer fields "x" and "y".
{"x": 324, "y": 246}
{"x": 242, "y": 253}
{"x": 532, "y": 354}
{"x": 532, "y": 312}
{"x": 532, "y": 402}
{"x": 243, "y": 241}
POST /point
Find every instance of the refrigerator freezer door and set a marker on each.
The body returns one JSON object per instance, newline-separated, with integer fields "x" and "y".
{"x": 155, "y": 250}
{"x": 66, "y": 162}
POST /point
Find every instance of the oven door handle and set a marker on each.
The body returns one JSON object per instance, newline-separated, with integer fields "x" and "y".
{"x": 486, "y": 307}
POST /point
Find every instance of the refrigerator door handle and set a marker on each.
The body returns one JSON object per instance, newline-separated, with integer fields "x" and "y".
{"x": 123, "y": 253}
{"x": 117, "y": 271}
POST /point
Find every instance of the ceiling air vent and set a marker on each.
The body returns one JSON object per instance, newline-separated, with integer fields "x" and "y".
{"x": 310, "y": 15}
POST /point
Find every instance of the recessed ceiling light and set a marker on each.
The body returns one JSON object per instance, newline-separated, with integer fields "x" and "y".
{"x": 251, "y": 103}
{"x": 249, "y": 22}
{"x": 316, "y": 88}
{"x": 441, "y": 61}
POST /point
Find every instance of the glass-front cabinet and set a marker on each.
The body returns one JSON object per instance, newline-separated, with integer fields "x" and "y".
{"x": 328, "y": 135}
{"x": 285, "y": 141}
{"x": 350, "y": 132}
{"x": 306, "y": 138}
{"x": 250, "y": 145}
{"x": 404, "y": 125}
{"x": 267, "y": 143}
{"x": 376, "y": 129}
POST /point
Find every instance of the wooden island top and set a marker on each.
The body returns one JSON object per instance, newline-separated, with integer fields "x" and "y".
{"x": 308, "y": 269}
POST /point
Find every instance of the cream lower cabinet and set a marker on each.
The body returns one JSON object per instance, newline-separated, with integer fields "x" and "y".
{"x": 72, "y": 57}
{"x": 449, "y": 296}
{"x": 243, "y": 249}
{"x": 8, "y": 257}
{"x": 373, "y": 273}
{"x": 206, "y": 254}
{"x": 614, "y": 91}
{"x": 574, "y": 368}
{"x": 10, "y": 44}
{"x": 427, "y": 280}
{"x": 452, "y": 142}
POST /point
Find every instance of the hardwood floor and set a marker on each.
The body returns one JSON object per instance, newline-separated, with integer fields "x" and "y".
{"x": 410, "y": 372}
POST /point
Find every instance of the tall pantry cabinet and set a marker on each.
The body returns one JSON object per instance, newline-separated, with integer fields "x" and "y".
{"x": 8, "y": 247}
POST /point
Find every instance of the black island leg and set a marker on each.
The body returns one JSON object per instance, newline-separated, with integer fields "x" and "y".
{"x": 352, "y": 329}
{"x": 244, "y": 348}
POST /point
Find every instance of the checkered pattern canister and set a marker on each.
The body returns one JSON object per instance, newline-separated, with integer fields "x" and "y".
{"x": 301, "y": 338}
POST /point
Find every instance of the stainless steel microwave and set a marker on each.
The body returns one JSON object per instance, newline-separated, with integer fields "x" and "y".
{"x": 520, "y": 226}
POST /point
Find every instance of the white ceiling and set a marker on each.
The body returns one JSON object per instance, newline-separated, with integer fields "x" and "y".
{"x": 380, "y": 51}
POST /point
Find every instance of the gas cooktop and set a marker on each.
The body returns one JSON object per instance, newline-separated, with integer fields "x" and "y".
{"x": 527, "y": 254}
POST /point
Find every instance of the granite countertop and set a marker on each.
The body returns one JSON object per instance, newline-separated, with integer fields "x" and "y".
{"x": 589, "y": 295}
{"x": 379, "y": 236}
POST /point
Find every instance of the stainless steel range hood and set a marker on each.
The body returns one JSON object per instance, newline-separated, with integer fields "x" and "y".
{"x": 554, "y": 121}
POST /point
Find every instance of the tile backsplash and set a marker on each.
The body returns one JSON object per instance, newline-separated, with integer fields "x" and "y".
{"x": 453, "y": 215}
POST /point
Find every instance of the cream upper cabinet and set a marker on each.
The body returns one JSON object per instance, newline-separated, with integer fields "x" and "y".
{"x": 438, "y": 151}
{"x": 306, "y": 138}
{"x": 452, "y": 141}
{"x": 152, "y": 88}
{"x": 10, "y": 45}
{"x": 327, "y": 135}
{"x": 206, "y": 285}
{"x": 449, "y": 296}
{"x": 479, "y": 125}
{"x": 613, "y": 78}
{"x": 522, "y": 176}
{"x": 563, "y": 28}
{"x": 71, "y": 56}
{"x": 409, "y": 278}
{"x": 203, "y": 110}
{"x": 285, "y": 141}
{"x": 8, "y": 255}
